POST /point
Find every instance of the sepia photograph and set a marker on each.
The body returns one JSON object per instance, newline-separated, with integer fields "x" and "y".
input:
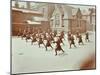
{"x": 52, "y": 37}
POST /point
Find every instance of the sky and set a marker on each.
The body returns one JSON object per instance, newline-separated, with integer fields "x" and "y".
{"x": 21, "y": 4}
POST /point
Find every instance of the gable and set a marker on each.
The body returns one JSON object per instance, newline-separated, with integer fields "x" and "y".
{"x": 56, "y": 11}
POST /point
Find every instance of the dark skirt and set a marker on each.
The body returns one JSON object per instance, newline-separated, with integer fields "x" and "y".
{"x": 48, "y": 44}
{"x": 72, "y": 42}
{"x": 58, "y": 48}
{"x": 80, "y": 40}
{"x": 87, "y": 37}
{"x": 34, "y": 40}
{"x": 69, "y": 38}
{"x": 40, "y": 42}
{"x": 28, "y": 37}
{"x": 23, "y": 35}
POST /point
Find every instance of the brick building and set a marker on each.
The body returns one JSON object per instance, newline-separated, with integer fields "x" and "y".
{"x": 21, "y": 18}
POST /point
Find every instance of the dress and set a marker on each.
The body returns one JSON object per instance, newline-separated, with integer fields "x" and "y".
{"x": 58, "y": 46}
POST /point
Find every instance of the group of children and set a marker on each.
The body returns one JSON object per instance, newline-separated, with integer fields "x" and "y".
{"x": 51, "y": 38}
{"x": 79, "y": 37}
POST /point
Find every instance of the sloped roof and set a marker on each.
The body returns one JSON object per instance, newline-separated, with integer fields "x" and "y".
{"x": 83, "y": 12}
{"x": 63, "y": 8}
{"x": 33, "y": 22}
{"x": 51, "y": 8}
{"x": 60, "y": 9}
{"x": 92, "y": 11}
{"x": 67, "y": 6}
{"x": 28, "y": 11}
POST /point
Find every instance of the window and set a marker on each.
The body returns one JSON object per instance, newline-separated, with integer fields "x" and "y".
{"x": 57, "y": 21}
{"x": 22, "y": 5}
